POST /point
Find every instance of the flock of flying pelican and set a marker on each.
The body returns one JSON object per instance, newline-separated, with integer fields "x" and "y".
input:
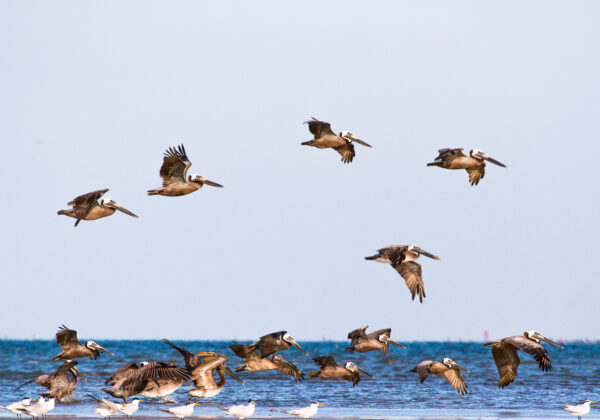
{"x": 155, "y": 379}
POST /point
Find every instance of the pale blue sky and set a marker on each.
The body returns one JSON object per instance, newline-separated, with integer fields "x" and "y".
{"x": 93, "y": 92}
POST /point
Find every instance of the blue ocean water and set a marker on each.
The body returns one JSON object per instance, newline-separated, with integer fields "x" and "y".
{"x": 393, "y": 393}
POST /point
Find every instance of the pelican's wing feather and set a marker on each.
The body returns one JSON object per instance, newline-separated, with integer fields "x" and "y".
{"x": 535, "y": 349}
{"x": 411, "y": 272}
{"x": 456, "y": 380}
{"x": 347, "y": 152}
{"x": 319, "y": 128}
{"x": 66, "y": 338}
{"x": 507, "y": 361}
{"x": 476, "y": 173}
{"x": 175, "y": 166}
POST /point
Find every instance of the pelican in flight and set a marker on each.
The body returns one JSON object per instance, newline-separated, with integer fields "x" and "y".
{"x": 72, "y": 348}
{"x": 326, "y": 138}
{"x": 474, "y": 163}
{"x": 402, "y": 257}
{"x": 106, "y": 408}
{"x": 182, "y": 411}
{"x": 61, "y": 383}
{"x": 377, "y": 340}
{"x": 40, "y": 408}
{"x": 200, "y": 367}
{"x": 160, "y": 378}
{"x": 305, "y": 412}
{"x": 579, "y": 409}
{"x": 277, "y": 341}
{"x": 447, "y": 368}
{"x": 255, "y": 363}
{"x": 507, "y": 361}
{"x": 87, "y": 207}
{"x": 173, "y": 172}
{"x": 240, "y": 411}
{"x": 14, "y": 407}
{"x": 331, "y": 370}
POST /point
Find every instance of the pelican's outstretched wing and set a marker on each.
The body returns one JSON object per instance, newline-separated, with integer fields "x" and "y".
{"x": 507, "y": 361}
{"x": 319, "y": 128}
{"x": 66, "y": 338}
{"x": 325, "y": 361}
{"x": 175, "y": 166}
{"x": 411, "y": 272}
{"x": 476, "y": 173}
{"x": 347, "y": 152}
{"x": 535, "y": 349}
{"x": 456, "y": 380}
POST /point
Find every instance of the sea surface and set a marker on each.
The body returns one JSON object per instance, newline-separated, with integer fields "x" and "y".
{"x": 394, "y": 393}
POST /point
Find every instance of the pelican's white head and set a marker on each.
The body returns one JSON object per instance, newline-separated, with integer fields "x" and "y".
{"x": 106, "y": 201}
{"x": 196, "y": 178}
{"x": 351, "y": 366}
{"x": 448, "y": 361}
{"x": 287, "y": 337}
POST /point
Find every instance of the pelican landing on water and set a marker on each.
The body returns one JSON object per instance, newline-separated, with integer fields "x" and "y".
{"x": 87, "y": 207}
{"x": 579, "y": 409}
{"x": 72, "y": 348}
{"x": 456, "y": 159}
{"x": 331, "y": 370}
{"x": 507, "y": 361}
{"x": 377, "y": 340}
{"x": 173, "y": 172}
{"x": 200, "y": 367}
{"x": 61, "y": 383}
{"x": 402, "y": 257}
{"x": 326, "y": 138}
{"x": 447, "y": 369}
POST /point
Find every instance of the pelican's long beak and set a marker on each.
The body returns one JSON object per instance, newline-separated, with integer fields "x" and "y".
{"x": 547, "y": 340}
{"x": 395, "y": 344}
{"x": 98, "y": 346}
{"x": 428, "y": 254}
{"x": 230, "y": 373}
{"x": 212, "y": 184}
{"x": 359, "y": 141}
{"x": 295, "y": 344}
{"x": 124, "y": 210}
{"x": 461, "y": 368}
{"x": 492, "y": 160}
{"x": 365, "y": 373}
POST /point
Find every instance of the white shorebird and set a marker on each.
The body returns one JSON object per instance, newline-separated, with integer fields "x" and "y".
{"x": 14, "y": 407}
{"x": 107, "y": 408}
{"x": 182, "y": 411}
{"x": 132, "y": 407}
{"x": 39, "y": 409}
{"x": 240, "y": 411}
{"x": 306, "y": 412}
{"x": 579, "y": 409}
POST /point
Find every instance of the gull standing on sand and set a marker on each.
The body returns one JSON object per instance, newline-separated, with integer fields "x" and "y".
{"x": 579, "y": 409}
{"x": 182, "y": 411}
{"x": 106, "y": 408}
{"x": 39, "y": 409}
{"x": 132, "y": 407}
{"x": 240, "y": 411}
{"x": 306, "y": 412}
{"x": 14, "y": 407}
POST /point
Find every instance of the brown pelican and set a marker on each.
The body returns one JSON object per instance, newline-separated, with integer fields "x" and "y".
{"x": 474, "y": 163}
{"x": 182, "y": 411}
{"x": 270, "y": 343}
{"x": 173, "y": 172}
{"x": 579, "y": 409}
{"x": 331, "y": 370}
{"x": 447, "y": 368}
{"x": 305, "y": 412}
{"x": 200, "y": 367}
{"x": 240, "y": 411}
{"x": 402, "y": 257}
{"x": 507, "y": 361}
{"x": 131, "y": 379}
{"x": 326, "y": 138}
{"x": 61, "y": 383}
{"x": 14, "y": 407}
{"x": 87, "y": 207}
{"x": 72, "y": 348}
{"x": 255, "y": 363}
{"x": 377, "y": 340}
{"x": 40, "y": 408}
